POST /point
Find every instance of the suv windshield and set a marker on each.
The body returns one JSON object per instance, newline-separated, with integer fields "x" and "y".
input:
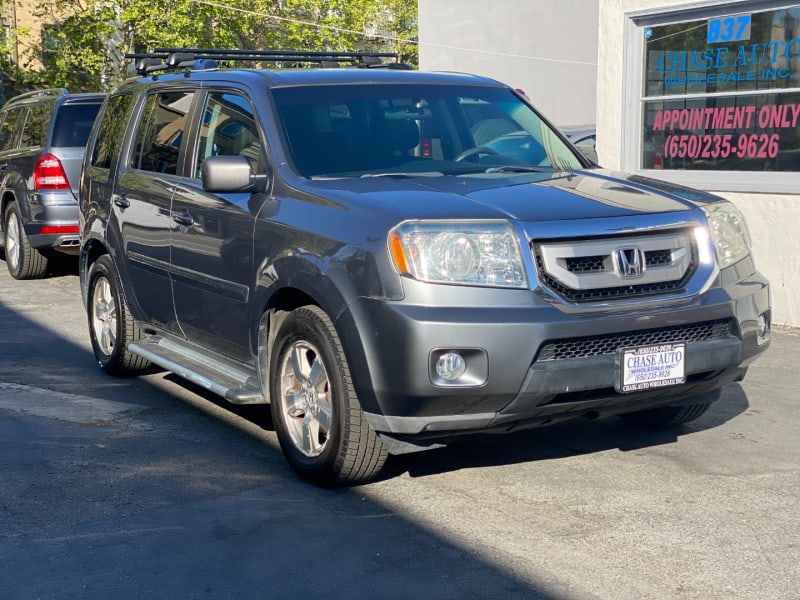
{"x": 73, "y": 124}
{"x": 400, "y": 130}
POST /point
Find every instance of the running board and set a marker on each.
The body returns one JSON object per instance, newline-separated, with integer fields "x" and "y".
{"x": 232, "y": 381}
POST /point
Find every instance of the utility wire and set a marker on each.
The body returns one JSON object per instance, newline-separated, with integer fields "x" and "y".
{"x": 389, "y": 37}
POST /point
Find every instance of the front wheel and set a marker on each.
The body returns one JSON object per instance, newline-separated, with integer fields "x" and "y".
{"x": 23, "y": 260}
{"x": 111, "y": 326}
{"x": 320, "y": 425}
{"x": 671, "y": 416}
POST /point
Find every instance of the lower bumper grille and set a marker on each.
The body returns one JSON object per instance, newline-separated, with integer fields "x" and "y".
{"x": 599, "y": 345}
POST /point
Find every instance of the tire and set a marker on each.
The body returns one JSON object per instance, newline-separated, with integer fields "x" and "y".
{"x": 23, "y": 260}
{"x": 111, "y": 325}
{"x": 671, "y": 416}
{"x": 321, "y": 428}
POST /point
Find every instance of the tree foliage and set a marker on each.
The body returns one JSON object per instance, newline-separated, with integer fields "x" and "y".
{"x": 85, "y": 45}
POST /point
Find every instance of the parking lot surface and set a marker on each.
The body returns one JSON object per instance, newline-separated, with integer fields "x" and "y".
{"x": 153, "y": 488}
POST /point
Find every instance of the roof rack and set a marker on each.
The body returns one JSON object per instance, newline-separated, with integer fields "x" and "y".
{"x": 161, "y": 59}
{"x": 41, "y": 94}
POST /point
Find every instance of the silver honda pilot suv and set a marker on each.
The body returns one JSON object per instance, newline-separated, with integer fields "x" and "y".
{"x": 394, "y": 260}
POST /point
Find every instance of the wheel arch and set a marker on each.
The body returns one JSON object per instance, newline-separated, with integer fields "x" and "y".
{"x": 14, "y": 189}
{"x": 91, "y": 250}
{"x": 308, "y": 286}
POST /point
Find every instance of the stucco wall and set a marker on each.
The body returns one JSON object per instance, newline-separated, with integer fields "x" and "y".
{"x": 548, "y": 48}
{"x": 774, "y": 220}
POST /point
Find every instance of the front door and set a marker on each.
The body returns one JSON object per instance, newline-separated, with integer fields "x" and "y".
{"x": 212, "y": 234}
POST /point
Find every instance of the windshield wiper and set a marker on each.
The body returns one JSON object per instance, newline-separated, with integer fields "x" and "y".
{"x": 404, "y": 174}
{"x": 520, "y": 169}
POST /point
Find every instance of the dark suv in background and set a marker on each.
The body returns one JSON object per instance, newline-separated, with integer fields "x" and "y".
{"x": 42, "y": 141}
{"x": 394, "y": 260}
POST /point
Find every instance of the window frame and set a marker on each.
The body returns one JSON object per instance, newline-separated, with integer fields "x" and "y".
{"x": 634, "y": 97}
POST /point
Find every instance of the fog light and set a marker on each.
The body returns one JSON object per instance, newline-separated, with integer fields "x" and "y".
{"x": 451, "y": 366}
{"x": 763, "y": 328}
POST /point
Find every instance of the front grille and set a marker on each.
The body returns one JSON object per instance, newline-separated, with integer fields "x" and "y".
{"x": 586, "y": 264}
{"x": 599, "y": 345}
{"x": 658, "y": 257}
{"x": 615, "y": 293}
{"x": 600, "y": 263}
{"x": 587, "y": 270}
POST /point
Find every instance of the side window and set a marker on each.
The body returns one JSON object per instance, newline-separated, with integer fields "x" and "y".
{"x": 108, "y": 141}
{"x": 9, "y": 128}
{"x": 228, "y": 128}
{"x": 33, "y": 132}
{"x": 161, "y": 131}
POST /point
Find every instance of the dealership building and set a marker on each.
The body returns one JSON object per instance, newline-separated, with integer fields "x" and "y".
{"x": 702, "y": 93}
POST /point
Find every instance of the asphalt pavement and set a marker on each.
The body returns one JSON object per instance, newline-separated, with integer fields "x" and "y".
{"x": 151, "y": 488}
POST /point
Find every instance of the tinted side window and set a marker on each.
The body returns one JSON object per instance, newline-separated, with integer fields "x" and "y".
{"x": 34, "y": 131}
{"x": 73, "y": 124}
{"x": 161, "y": 131}
{"x": 228, "y": 128}
{"x": 112, "y": 131}
{"x": 9, "y": 128}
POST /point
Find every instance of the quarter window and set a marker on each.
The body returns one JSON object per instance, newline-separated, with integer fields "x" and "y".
{"x": 8, "y": 129}
{"x": 33, "y": 132}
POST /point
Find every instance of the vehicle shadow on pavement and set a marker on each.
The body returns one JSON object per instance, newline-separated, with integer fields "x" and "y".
{"x": 563, "y": 440}
{"x": 174, "y": 502}
{"x": 572, "y": 438}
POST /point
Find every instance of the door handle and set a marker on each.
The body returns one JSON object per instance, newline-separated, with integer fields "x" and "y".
{"x": 121, "y": 201}
{"x": 183, "y": 219}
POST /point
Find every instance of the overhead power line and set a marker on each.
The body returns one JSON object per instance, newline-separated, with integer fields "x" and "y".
{"x": 388, "y": 37}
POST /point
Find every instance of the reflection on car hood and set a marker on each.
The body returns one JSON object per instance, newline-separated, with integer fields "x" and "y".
{"x": 527, "y": 197}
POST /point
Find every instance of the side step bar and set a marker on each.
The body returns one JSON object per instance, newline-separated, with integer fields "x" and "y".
{"x": 233, "y": 381}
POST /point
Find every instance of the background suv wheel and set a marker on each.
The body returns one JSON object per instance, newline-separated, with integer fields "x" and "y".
{"x": 23, "y": 260}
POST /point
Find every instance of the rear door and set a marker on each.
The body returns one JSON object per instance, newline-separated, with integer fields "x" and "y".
{"x": 141, "y": 202}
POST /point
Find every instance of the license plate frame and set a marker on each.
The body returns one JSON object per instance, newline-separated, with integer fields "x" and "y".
{"x": 642, "y": 368}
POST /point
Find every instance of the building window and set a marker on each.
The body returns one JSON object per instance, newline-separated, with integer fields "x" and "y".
{"x": 719, "y": 93}
{"x": 720, "y": 90}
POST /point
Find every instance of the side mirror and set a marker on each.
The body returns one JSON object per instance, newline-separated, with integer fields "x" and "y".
{"x": 231, "y": 174}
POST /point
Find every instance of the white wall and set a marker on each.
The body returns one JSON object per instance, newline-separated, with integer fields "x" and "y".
{"x": 548, "y": 48}
{"x": 774, "y": 220}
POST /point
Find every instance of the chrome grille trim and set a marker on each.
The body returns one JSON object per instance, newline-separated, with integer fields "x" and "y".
{"x": 588, "y": 270}
{"x": 599, "y": 345}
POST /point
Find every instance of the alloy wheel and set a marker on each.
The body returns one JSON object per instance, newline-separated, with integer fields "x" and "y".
{"x": 305, "y": 400}
{"x": 104, "y": 316}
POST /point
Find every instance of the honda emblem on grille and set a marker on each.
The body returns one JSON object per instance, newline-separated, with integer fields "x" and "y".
{"x": 630, "y": 261}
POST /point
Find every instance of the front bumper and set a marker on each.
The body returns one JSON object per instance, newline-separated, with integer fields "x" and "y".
{"x": 504, "y": 331}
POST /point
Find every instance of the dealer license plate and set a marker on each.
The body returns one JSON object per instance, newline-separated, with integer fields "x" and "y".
{"x": 650, "y": 367}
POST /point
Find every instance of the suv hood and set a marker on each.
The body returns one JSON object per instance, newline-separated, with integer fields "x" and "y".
{"x": 525, "y": 197}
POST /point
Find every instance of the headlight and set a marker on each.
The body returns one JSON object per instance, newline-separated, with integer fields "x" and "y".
{"x": 728, "y": 232}
{"x": 480, "y": 253}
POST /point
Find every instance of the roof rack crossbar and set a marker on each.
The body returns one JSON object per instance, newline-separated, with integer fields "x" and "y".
{"x": 173, "y": 58}
{"x": 272, "y": 53}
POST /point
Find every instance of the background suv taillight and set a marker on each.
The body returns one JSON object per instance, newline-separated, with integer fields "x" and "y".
{"x": 48, "y": 174}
